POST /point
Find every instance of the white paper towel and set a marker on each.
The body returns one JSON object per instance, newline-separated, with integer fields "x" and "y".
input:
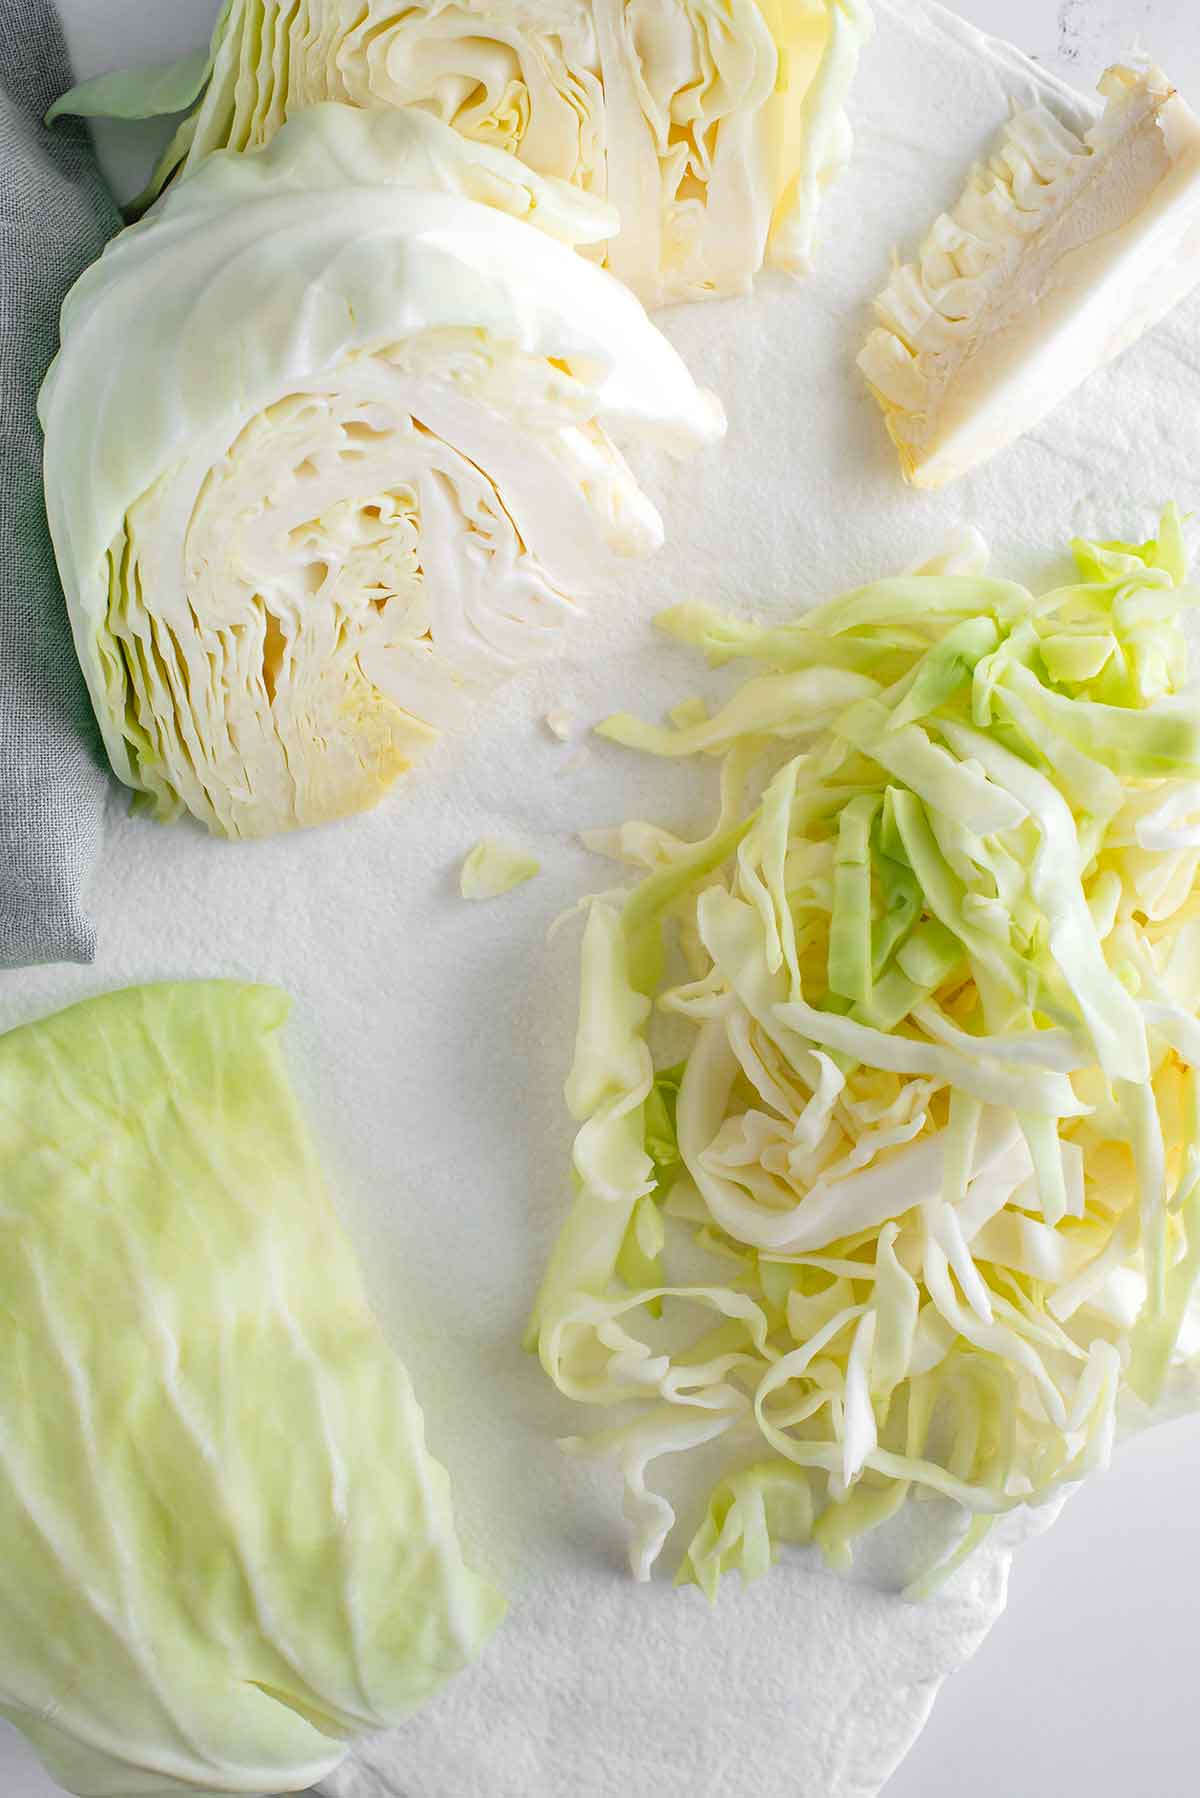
{"x": 430, "y": 1038}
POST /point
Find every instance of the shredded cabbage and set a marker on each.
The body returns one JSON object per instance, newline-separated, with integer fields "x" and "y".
{"x": 713, "y": 126}
{"x": 225, "y": 1550}
{"x": 918, "y": 1211}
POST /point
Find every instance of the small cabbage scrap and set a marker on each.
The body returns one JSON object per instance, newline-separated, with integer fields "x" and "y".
{"x": 919, "y": 1212}
{"x": 493, "y": 868}
{"x": 326, "y": 452}
{"x": 226, "y": 1549}
{"x": 712, "y": 125}
{"x": 1061, "y": 252}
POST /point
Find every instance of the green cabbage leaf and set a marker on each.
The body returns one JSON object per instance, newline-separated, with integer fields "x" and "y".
{"x": 226, "y": 1548}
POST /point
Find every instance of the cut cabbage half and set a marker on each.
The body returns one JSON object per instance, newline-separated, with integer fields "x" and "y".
{"x": 713, "y": 125}
{"x": 224, "y": 1547}
{"x": 1060, "y": 253}
{"x": 919, "y": 1210}
{"x": 326, "y": 450}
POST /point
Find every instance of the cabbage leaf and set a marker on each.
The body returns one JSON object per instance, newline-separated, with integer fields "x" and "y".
{"x": 226, "y": 1549}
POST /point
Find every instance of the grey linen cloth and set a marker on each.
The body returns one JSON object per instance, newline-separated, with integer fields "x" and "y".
{"x": 55, "y": 216}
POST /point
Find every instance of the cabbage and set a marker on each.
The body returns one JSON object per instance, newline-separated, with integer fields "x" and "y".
{"x": 493, "y": 868}
{"x": 919, "y": 1212}
{"x": 1061, "y": 251}
{"x": 713, "y": 128}
{"x": 326, "y": 452}
{"x": 226, "y": 1549}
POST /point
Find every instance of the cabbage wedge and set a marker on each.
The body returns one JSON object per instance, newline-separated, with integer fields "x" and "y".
{"x": 327, "y": 451}
{"x": 712, "y": 125}
{"x": 1061, "y": 252}
{"x": 226, "y": 1548}
{"x": 918, "y": 1212}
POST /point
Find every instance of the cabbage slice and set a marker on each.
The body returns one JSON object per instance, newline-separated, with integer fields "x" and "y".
{"x": 328, "y": 454}
{"x": 714, "y": 128}
{"x": 227, "y": 1550}
{"x": 1061, "y": 252}
{"x": 934, "y": 1143}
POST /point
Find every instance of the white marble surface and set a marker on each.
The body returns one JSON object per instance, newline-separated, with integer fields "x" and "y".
{"x": 1084, "y": 1690}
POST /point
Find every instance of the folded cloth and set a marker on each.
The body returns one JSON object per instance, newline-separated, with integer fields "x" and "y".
{"x": 55, "y": 217}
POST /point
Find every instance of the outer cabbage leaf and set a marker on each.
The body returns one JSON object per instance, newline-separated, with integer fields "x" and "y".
{"x": 712, "y": 125}
{"x": 326, "y": 451}
{"x": 226, "y": 1549}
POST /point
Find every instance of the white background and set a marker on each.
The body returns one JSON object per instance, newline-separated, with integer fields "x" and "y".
{"x": 1086, "y": 1689}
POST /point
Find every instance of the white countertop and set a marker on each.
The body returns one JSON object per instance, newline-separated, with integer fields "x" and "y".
{"x": 1084, "y": 1689}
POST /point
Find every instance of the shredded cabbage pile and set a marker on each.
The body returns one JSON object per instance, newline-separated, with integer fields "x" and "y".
{"x": 920, "y": 1204}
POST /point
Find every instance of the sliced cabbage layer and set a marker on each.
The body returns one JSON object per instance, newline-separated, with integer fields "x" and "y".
{"x": 226, "y": 1549}
{"x": 327, "y": 449}
{"x": 1061, "y": 252}
{"x": 712, "y": 125}
{"x": 920, "y": 1208}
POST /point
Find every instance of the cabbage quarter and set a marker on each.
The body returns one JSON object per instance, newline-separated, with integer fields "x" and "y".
{"x": 327, "y": 448}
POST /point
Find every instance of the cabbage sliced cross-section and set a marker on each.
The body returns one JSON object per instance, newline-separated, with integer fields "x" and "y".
{"x": 712, "y": 125}
{"x": 224, "y": 1548}
{"x": 327, "y": 450}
